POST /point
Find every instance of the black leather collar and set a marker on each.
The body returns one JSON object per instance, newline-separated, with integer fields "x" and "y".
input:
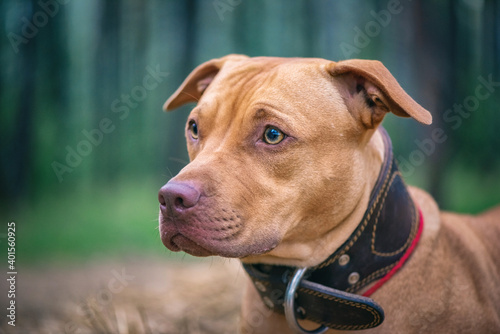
{"x": 380, "y": 244}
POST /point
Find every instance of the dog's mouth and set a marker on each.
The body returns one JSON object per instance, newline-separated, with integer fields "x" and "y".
{"x": 197, "y": 238}
{"x": 222, "y": 241}
{"x": 180, "y": 242}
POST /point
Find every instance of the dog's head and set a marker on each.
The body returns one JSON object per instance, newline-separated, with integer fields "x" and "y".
{"x": 279, "y": 151}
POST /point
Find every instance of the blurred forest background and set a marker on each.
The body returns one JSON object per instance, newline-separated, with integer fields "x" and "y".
{"x": 85, "y": 145}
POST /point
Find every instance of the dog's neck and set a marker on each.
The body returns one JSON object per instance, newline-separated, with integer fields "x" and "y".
{"x": 307, "y": 254}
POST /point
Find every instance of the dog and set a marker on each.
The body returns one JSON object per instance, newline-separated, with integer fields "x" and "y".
{"x": 291, "y": 172}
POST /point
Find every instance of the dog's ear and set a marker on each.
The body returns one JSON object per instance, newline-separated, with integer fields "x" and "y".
{"x": 197, "y": 82}
{"x": 372, "y": 91}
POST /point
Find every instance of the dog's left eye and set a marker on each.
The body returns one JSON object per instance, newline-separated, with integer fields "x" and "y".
{"x": 193, "y": 129}
{"x": 273, "y": 136}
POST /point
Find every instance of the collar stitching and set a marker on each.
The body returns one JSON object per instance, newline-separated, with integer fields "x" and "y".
{"x": 376, "y": 317}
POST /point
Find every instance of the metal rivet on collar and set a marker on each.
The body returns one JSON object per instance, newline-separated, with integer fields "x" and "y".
{"x": 269, "y": 303}
{"x": 260, "y": 286}
{"x": 344, "y": 259}
{"x": 353, "y": 278}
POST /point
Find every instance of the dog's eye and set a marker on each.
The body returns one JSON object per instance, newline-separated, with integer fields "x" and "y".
{"x": 273, "y": 135}
{"x": 193, "y": 129}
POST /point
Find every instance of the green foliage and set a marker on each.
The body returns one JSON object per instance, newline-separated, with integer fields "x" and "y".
{"x": 468, "y": 192}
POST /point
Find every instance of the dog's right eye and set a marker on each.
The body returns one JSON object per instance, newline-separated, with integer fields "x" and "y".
{"x": 193, "y": 129}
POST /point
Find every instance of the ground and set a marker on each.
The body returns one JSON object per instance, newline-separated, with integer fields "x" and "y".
{"x": 129, "y": 297}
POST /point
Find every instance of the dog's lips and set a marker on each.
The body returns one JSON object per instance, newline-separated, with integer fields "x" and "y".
{"x": 175, "y": 241}
{"x": 181, "y": 236}
{"x": 187, "y": 245}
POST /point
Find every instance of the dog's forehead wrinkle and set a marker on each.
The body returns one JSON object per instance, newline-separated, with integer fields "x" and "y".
{"x": 266, "y": 111}
{"x": 238, "y": 77}
{"x": 226, "y": 111}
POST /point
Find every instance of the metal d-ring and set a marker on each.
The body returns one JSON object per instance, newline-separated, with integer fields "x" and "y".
{"x": 290, "y": 308}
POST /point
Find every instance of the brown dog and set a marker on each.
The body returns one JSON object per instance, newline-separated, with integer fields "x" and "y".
{"x": 289, "y": 169}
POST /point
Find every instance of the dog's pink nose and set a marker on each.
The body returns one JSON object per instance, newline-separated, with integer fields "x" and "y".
{"x": 178, "y": 196}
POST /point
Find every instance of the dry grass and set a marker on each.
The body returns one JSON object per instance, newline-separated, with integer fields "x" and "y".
{"x": 130, "y": 297}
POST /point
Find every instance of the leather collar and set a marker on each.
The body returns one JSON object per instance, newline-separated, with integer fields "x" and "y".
{"x": 382, "y": 242}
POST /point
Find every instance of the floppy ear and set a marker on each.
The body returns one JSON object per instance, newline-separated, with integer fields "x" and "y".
{"x": 372, "y": 91}
{"x": 197, "y": 82}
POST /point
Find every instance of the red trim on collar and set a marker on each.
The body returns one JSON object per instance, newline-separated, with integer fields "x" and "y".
{"x": 402, "y": 261}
